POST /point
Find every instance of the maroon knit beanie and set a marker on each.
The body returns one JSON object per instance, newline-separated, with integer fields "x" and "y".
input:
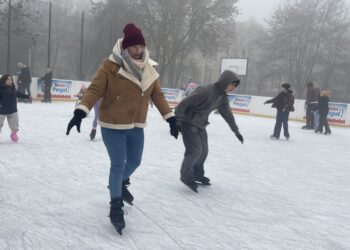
{"x": 132, "y": 36}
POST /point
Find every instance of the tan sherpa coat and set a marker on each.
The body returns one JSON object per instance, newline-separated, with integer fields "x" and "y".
{"x": 125, "y": 99}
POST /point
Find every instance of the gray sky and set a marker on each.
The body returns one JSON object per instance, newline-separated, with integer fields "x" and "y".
{"x": 259, "y": 9}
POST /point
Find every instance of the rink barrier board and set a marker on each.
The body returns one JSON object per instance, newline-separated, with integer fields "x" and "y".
{"x": 339, "y": 115}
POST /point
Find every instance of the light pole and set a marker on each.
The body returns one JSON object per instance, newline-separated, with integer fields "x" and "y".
{"x": 49, "y": 40}
{"x": 8, "y": 37}
{"x": 81, "y": 46}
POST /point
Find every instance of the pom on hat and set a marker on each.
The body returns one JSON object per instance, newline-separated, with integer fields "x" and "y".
{"x": 132, "y": 36}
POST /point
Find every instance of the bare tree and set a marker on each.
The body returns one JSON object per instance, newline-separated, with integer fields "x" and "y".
{"x": 173, "y": 29}
{"x": 300, "y": 34}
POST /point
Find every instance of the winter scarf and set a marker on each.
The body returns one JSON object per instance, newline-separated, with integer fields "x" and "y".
{"x": 121, "y": 57}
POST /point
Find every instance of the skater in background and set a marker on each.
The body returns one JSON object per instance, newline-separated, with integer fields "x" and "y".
{"x": 25, "y": 79}
{"x": 80, "y": 95}
{"x": 8, "y": 104}
{"x": 189, "y": 89}
{"x": 312, "y": 95}
{"x": 283, "y": 102}
{"x": 94, "y": 123}
{"x": 323, "y": 110}
{"x": 47, "y": 78}
{"x": 192, "y": 119}
{"x": 127, "y": 81}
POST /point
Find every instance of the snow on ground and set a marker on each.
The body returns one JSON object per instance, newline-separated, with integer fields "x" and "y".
{"x": 265, "y": 194}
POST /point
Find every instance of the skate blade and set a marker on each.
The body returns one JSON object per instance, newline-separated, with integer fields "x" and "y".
{"x": 119, "y": 229}
{"x": 203, "y": 184}
{"x": 192, "y": 188}
{"x": 129, "y": 202}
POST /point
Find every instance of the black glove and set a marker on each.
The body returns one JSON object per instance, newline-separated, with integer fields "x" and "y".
{"x": 76, "y": 120}
{"x": 240, "y": 137}
{"x": 174, "y": 131}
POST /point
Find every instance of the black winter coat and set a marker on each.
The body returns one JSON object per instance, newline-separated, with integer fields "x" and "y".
{"x": 8, "y": 101}
{"x": 284, "y": 101}
{"x": 25, "y": 76}
{"x": 323, "y": 108}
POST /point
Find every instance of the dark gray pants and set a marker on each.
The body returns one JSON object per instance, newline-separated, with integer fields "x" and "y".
{"x": 196, "y": 145}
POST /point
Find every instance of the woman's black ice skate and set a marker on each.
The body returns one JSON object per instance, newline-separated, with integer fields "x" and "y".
{"x": 126, "y": 195}
{"x": 117, "y": 214}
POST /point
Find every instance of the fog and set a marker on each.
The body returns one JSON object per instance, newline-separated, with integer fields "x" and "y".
{"x": 188, "y": 40}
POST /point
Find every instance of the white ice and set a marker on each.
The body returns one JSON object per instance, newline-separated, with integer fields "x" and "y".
{"x": 265, "y": 194}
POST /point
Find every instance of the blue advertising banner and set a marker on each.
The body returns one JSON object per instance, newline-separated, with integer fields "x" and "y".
{"x": 337, "y": 112}
{"x": 59, "y": 89}
{"x": 171, "y": 95}
{"x": 240, "y": 103}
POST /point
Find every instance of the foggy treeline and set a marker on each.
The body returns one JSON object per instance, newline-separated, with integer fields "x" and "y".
{"x": 301, "y": 41}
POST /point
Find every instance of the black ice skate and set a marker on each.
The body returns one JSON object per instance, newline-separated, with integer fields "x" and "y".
{"x": 117, "y": 214}
{"x": 92, "y": 134}
{"x": 192, "y": 185}
{"x": 126, "y": 195}
{"x": 203, "y": 181}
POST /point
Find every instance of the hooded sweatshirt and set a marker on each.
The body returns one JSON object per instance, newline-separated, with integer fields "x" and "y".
{"x": 195, "y": 109}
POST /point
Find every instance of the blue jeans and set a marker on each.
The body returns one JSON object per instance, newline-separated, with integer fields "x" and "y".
{"x": 125, "y": 147}
{"x": 281, "y": 118}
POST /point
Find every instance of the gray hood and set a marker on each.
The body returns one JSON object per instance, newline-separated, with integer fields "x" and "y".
{"x": 226, "y": 78}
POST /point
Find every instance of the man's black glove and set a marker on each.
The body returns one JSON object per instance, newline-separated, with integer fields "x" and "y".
{"x": 76, "y": 120}
{"x": 174, "y": 131}
{"x": 240, "y": 137}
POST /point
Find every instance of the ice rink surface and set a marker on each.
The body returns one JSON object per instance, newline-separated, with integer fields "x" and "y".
{"x": 265, "y": 194}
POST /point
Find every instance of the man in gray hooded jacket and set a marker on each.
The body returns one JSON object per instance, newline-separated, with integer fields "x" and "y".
{"x": 192, "y": 118}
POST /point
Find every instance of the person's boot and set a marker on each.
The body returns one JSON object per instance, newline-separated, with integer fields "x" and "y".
{"x": 126, "y": 195}
{"x": 116, "y": 214}
{"x": 202, "y": 180}
{"x": 14, "y": 137}
{"x": 92, "y": 134}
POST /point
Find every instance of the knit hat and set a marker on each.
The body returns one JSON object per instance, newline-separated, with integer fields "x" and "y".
{"x": 132, "y": 36}
{"x": 286, "y": 86}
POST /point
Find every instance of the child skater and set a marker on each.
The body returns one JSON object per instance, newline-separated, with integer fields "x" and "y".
{"x": 8, "y": 104}
{"x": 80, "y": 95}
{"x": 323, "y": 110}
